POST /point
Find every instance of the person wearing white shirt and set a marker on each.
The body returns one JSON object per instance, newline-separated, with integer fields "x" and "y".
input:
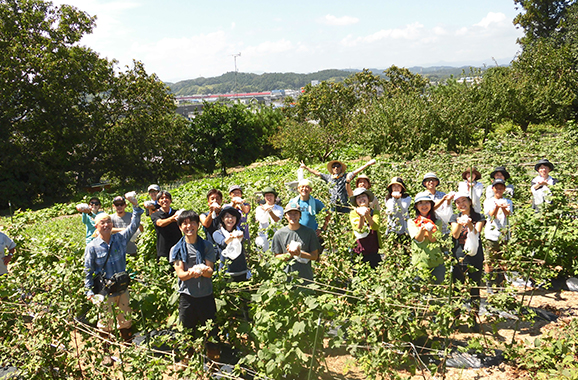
{"x": 497, "y": 210}
{"x": 471, "y": 186}
{"x": 267, "y": 214}
{"x": 541, "y": 184}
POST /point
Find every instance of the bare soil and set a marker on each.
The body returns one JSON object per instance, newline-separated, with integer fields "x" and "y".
{"x": 562, "y": 303}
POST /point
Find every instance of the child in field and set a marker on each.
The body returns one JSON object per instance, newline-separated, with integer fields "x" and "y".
{"x": 425, "y": 230}
{"x": 497, "y": 210}
{"x": 365, "y": 223}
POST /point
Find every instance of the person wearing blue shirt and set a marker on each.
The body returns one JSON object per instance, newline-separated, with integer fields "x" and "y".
{"x": 95, "y": 256}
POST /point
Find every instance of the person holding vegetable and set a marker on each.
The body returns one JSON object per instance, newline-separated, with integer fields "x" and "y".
{"x": 442, "y": 201}
{"x": 89, "y": 212}
{"x": 500, "y": 172}
{"x": 193, "y": 259}
{"x": 106, "y": 254}
{"x": 425, "y": 231}
{"x": 267, "y": 214}
{"x": 497, "y": 209}
{"x": 365, "y": 223}
{"x": 466, "y": 227}
{"x": 229, "y": 242}
{"x": 337, "y": 179}
{"x": 362, "y": 181}
{"x": 397, "y": 203}
{"x": 296, "y": 243}
{"x": 541, "y": 184}
{"x": 471, "y": 186}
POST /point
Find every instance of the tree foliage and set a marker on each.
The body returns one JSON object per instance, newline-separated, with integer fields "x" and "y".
{"x": 66, "y": 118}
{"x": 226, "y": 135}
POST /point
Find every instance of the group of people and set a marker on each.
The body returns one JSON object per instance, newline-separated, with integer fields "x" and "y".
{"x": 195, "y": 259}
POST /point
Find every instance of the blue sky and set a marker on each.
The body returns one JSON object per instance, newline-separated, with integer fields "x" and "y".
{"x": 187, "y": 39}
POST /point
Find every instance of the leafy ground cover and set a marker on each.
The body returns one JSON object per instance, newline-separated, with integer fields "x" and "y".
{"x": 353, "y": 323}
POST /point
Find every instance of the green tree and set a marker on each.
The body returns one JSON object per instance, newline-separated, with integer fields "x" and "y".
{"x": 46, "y": 82}
{"x": 542, "y": 18}
{"x": 225, "y": 135}
{"x": 66, "y": 118}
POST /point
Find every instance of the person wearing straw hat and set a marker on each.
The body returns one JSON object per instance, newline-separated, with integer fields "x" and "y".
{"x": 397, "y": 203}
{"x": 425, "y": 230}
{"x": 442, "y": 201}
{"x": 541, "y": 184}
{"x": 497, "y": 210}
{"x": 267, "y": 214}
{"x": 337, "y": 179}
{"x": 471, "y": 186}
{"x": 363, "y": 181}
{"x": 296, "y": 243}
{"x": 500, "y": 172}
{"x": 365, "y": 223}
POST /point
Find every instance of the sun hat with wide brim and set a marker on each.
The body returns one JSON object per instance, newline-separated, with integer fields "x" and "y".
{"x": 474, "y": 171}
{"x": 462, "y": 195}
{"x": 430, "y": 175}
{"x": 544, "y": 161}
{"x": 235, "y": 187}
{"x": 269, "y": 190}
{"x": 357, "y": 192}
{"x": 423, "y": 196}
{"x": 229, "y": 210}
{"x": 500, "y": 169}
{"x": 363, "y": 176}
{"x": 396, "y": 180}
{"x": 330, "y": 164}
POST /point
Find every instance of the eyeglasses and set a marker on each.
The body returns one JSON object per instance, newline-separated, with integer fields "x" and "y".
{"x": 119, "y": 204}
{"x": 95, "y": 203}
{"x": 335, "y": 166}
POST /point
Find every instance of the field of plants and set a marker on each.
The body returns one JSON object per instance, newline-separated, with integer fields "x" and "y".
{"x": 353, "y": 322}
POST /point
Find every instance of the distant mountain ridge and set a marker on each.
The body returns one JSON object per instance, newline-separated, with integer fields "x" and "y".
{"x": 247, "y": 82}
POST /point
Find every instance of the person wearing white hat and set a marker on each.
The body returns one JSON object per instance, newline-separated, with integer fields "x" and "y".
{"x": 424, "y": 230}
{"x": 363, "y": 181}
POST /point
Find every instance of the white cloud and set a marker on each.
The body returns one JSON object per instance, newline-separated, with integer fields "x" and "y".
{"x": 492, "y": 18}
{"x": 439, "y": 31}
{"x": 410, "y": 32}
{"x": 339, "y": 21}
{"x": 270, "y": 47}
{"x": 233, "y": 25}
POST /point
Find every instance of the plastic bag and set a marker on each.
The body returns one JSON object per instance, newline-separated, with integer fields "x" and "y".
{"x": 233, "y": 249}
{"x": 444, "y": 212}
{"x": 471, "y": 244}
